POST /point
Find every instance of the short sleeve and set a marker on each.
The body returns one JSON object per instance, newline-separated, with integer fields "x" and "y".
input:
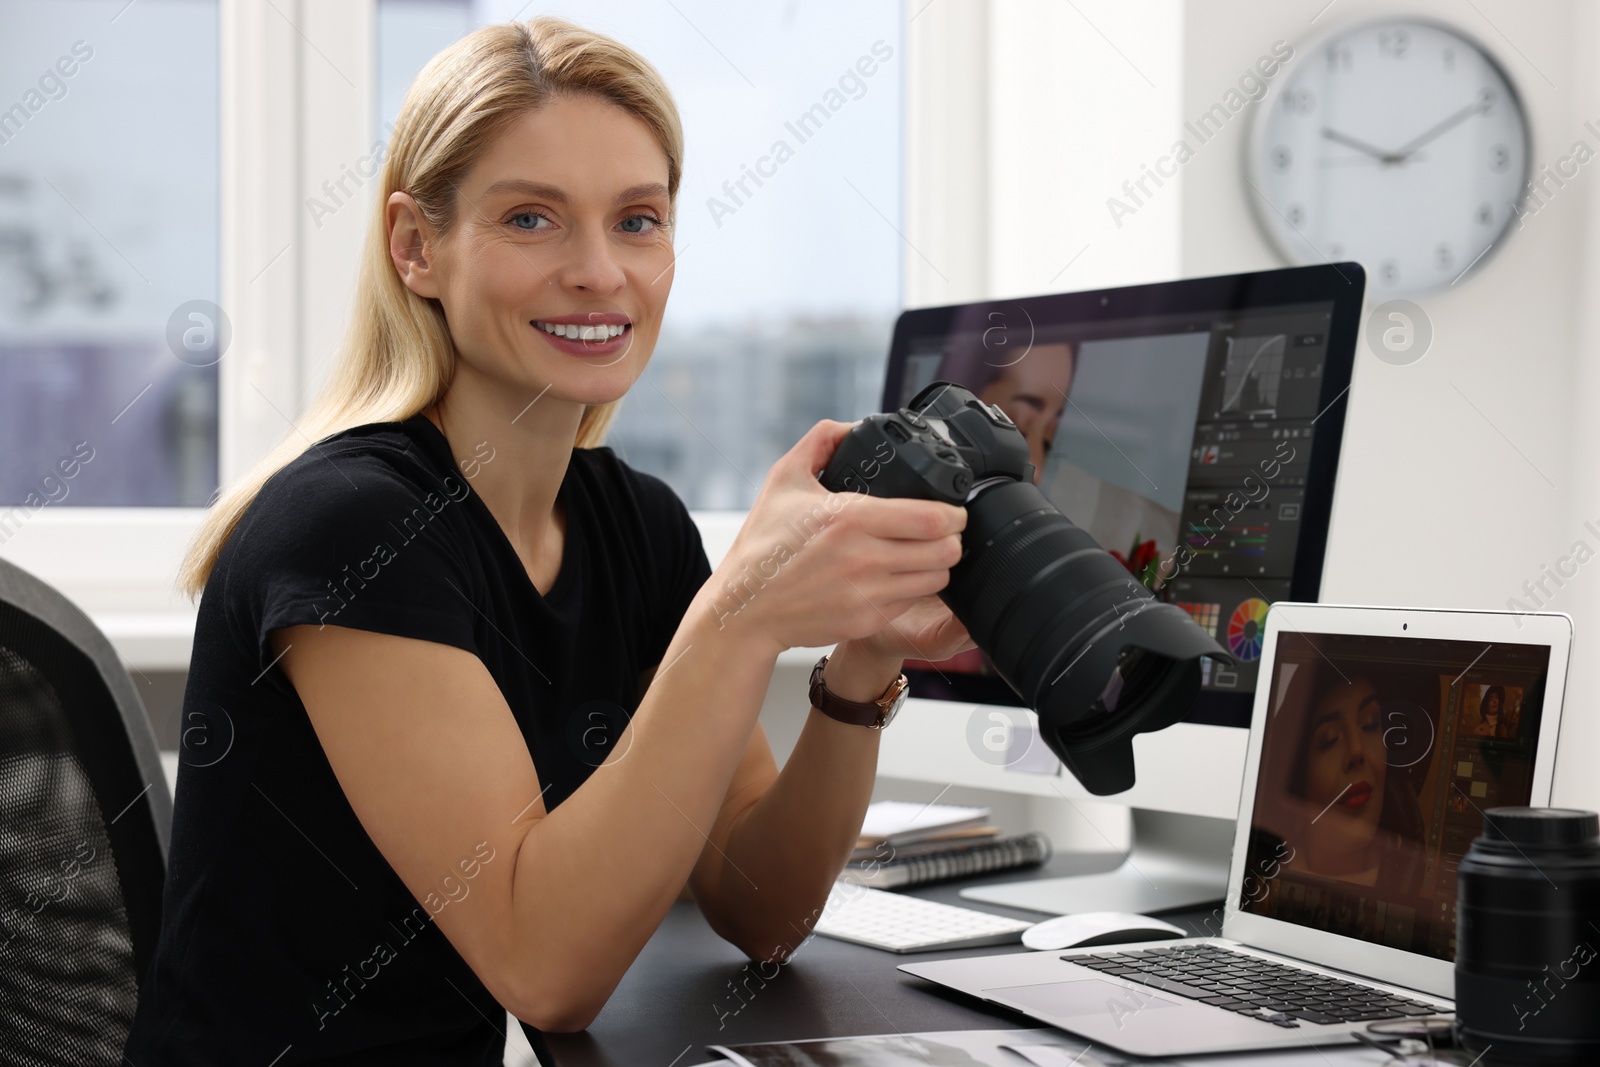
{"x": 353, "y": 540}
{"x": 679, "y": 558}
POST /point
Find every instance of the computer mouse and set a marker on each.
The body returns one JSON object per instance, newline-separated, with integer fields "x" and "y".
{"x": 1090, "y": 928}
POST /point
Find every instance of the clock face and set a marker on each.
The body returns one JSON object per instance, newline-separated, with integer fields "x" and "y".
{"x": 1399, "y": 144}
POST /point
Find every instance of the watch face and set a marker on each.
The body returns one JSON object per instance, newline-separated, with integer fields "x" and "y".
{"x": 1399, "y": 144}
{"x": 895, "y": 705}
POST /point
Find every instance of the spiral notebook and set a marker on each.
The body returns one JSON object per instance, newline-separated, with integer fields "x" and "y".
{"x": 958, "y": 861}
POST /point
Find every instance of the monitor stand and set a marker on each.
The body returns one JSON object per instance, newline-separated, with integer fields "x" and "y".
{"x": 1177, "y": 861}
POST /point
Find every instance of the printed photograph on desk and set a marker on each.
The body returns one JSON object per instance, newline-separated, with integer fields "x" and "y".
{"x": 958, "y": 1048}
{"x": 1379, "y": 758}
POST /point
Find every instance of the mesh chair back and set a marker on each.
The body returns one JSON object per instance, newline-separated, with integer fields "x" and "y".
{"x": 84, "y": 818}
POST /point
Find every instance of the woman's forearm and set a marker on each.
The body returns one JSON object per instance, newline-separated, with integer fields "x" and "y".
{"x": 793, "y": 841}
{"x": 595, "y": 877}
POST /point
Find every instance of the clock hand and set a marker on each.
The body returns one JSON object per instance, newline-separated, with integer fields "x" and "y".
{"x": 1360, "y": 146}
{"x": 1428, "y": 135}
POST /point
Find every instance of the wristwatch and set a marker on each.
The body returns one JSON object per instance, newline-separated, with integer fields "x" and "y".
{"x": 873, "y": 714}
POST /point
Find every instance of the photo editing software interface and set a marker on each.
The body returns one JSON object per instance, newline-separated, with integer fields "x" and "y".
{"x": 1180, "y": 443}
{"x": 1379, "y": 757}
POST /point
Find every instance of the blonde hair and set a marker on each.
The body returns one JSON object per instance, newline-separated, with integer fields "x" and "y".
{"x": 397, "y": 358}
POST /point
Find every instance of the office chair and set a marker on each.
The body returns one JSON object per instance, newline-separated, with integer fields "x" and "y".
{"x": 85, "y": 817}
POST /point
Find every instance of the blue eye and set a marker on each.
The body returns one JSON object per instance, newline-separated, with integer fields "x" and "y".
{"x": 635, "y": 223}
{"x": 528, "y": 215}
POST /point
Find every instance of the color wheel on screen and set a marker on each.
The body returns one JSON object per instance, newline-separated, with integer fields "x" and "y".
{"x": 1245, "y": 628}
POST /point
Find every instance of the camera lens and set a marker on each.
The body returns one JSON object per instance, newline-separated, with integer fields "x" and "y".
{"x": 1527, "y": 915}
{"x": 1065, "y": 624}
{"x": 1137, "y": 673}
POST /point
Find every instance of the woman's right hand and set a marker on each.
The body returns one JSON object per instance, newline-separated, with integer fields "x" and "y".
{"x": 812, "y": 568}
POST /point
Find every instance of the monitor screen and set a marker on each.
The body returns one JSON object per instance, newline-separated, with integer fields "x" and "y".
{"x": 1378, "y": 758}
{"x": 1191, "y": 428}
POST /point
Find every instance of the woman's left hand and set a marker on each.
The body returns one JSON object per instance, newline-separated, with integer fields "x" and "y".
{"x": 927, "y": 630}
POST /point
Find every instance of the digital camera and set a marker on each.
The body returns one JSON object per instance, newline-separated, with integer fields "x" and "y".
{"x": 1084, "y": 644}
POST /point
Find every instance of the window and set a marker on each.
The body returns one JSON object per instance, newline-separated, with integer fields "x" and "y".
{"x": 109, "y": 252}
{"x": 788, "y": 277}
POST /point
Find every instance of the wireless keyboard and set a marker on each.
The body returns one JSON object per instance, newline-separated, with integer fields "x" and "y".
{"x": 896, "y": 923}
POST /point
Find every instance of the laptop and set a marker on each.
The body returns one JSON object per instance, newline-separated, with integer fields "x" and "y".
{"x": 1377, "y": 741}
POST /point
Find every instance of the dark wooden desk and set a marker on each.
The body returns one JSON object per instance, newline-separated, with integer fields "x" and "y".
{"x": 689, "y": 988}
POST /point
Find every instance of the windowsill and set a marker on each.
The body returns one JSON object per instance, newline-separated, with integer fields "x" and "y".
{"x": 117, "y": 565}
{"x": 149, "y": 640}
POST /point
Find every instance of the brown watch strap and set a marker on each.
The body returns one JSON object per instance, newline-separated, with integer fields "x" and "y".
{"x": 874, "y": 714}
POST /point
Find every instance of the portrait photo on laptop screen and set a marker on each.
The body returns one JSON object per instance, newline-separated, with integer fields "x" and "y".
{"x": 1379, "y": 756}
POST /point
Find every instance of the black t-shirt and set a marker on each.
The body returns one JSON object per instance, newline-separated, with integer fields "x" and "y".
{"x": 286, "y": 936}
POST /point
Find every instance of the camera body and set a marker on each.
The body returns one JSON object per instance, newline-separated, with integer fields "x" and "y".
{"x": 943, "y": 445}
{"x": 1065, "y": 625}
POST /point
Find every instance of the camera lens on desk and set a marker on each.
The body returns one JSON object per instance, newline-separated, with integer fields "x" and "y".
{"x": 1528, "y": 938}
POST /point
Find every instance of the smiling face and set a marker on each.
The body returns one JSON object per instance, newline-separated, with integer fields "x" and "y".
{"x": 1346, "y": 764}
{"x": 1033, "y": 393}
{"x": 555, "y": 273}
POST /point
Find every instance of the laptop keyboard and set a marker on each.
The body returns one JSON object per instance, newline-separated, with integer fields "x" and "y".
{"x": 1261, "y": 989}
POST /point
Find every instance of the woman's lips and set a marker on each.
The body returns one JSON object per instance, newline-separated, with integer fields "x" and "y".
{"x": 1355, "y": 798}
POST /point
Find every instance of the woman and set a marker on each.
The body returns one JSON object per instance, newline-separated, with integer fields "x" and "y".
{"x": 1030, "y": 388}
{"x": 1366, "y": 824}
{"x": 492, "y": 709}
{"x": 1033, "y": 392}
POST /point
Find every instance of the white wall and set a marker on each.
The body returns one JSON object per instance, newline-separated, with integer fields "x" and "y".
{"x": 1080, "y": 96}
{"x": 1021, "y": 118}
{"x": 1575, "y": 398}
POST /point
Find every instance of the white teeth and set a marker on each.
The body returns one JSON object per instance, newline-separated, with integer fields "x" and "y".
{"x": 580, "y": 333}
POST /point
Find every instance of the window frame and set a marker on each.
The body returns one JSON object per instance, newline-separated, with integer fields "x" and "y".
{"x": 291, "y": 118}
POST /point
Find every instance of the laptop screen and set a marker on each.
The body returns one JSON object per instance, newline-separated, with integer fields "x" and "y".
{"x": 1378, "y": 759}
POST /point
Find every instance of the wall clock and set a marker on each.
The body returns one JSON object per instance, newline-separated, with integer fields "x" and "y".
{"x": 1398, "y": 143}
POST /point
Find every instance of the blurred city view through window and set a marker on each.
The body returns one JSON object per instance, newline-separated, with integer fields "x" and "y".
{"x": 717, "y": 406}
{"x": 788, "y": 274}
{"x": 108, "y": 228}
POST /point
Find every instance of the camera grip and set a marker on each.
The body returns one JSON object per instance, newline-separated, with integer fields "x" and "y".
{"x": 887, "y": 456}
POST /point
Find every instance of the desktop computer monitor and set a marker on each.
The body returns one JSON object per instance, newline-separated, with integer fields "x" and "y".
{"x": 1193, "y": 429}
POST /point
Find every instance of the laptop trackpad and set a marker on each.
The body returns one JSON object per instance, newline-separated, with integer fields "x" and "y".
{"x": 1087, "y": 997}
